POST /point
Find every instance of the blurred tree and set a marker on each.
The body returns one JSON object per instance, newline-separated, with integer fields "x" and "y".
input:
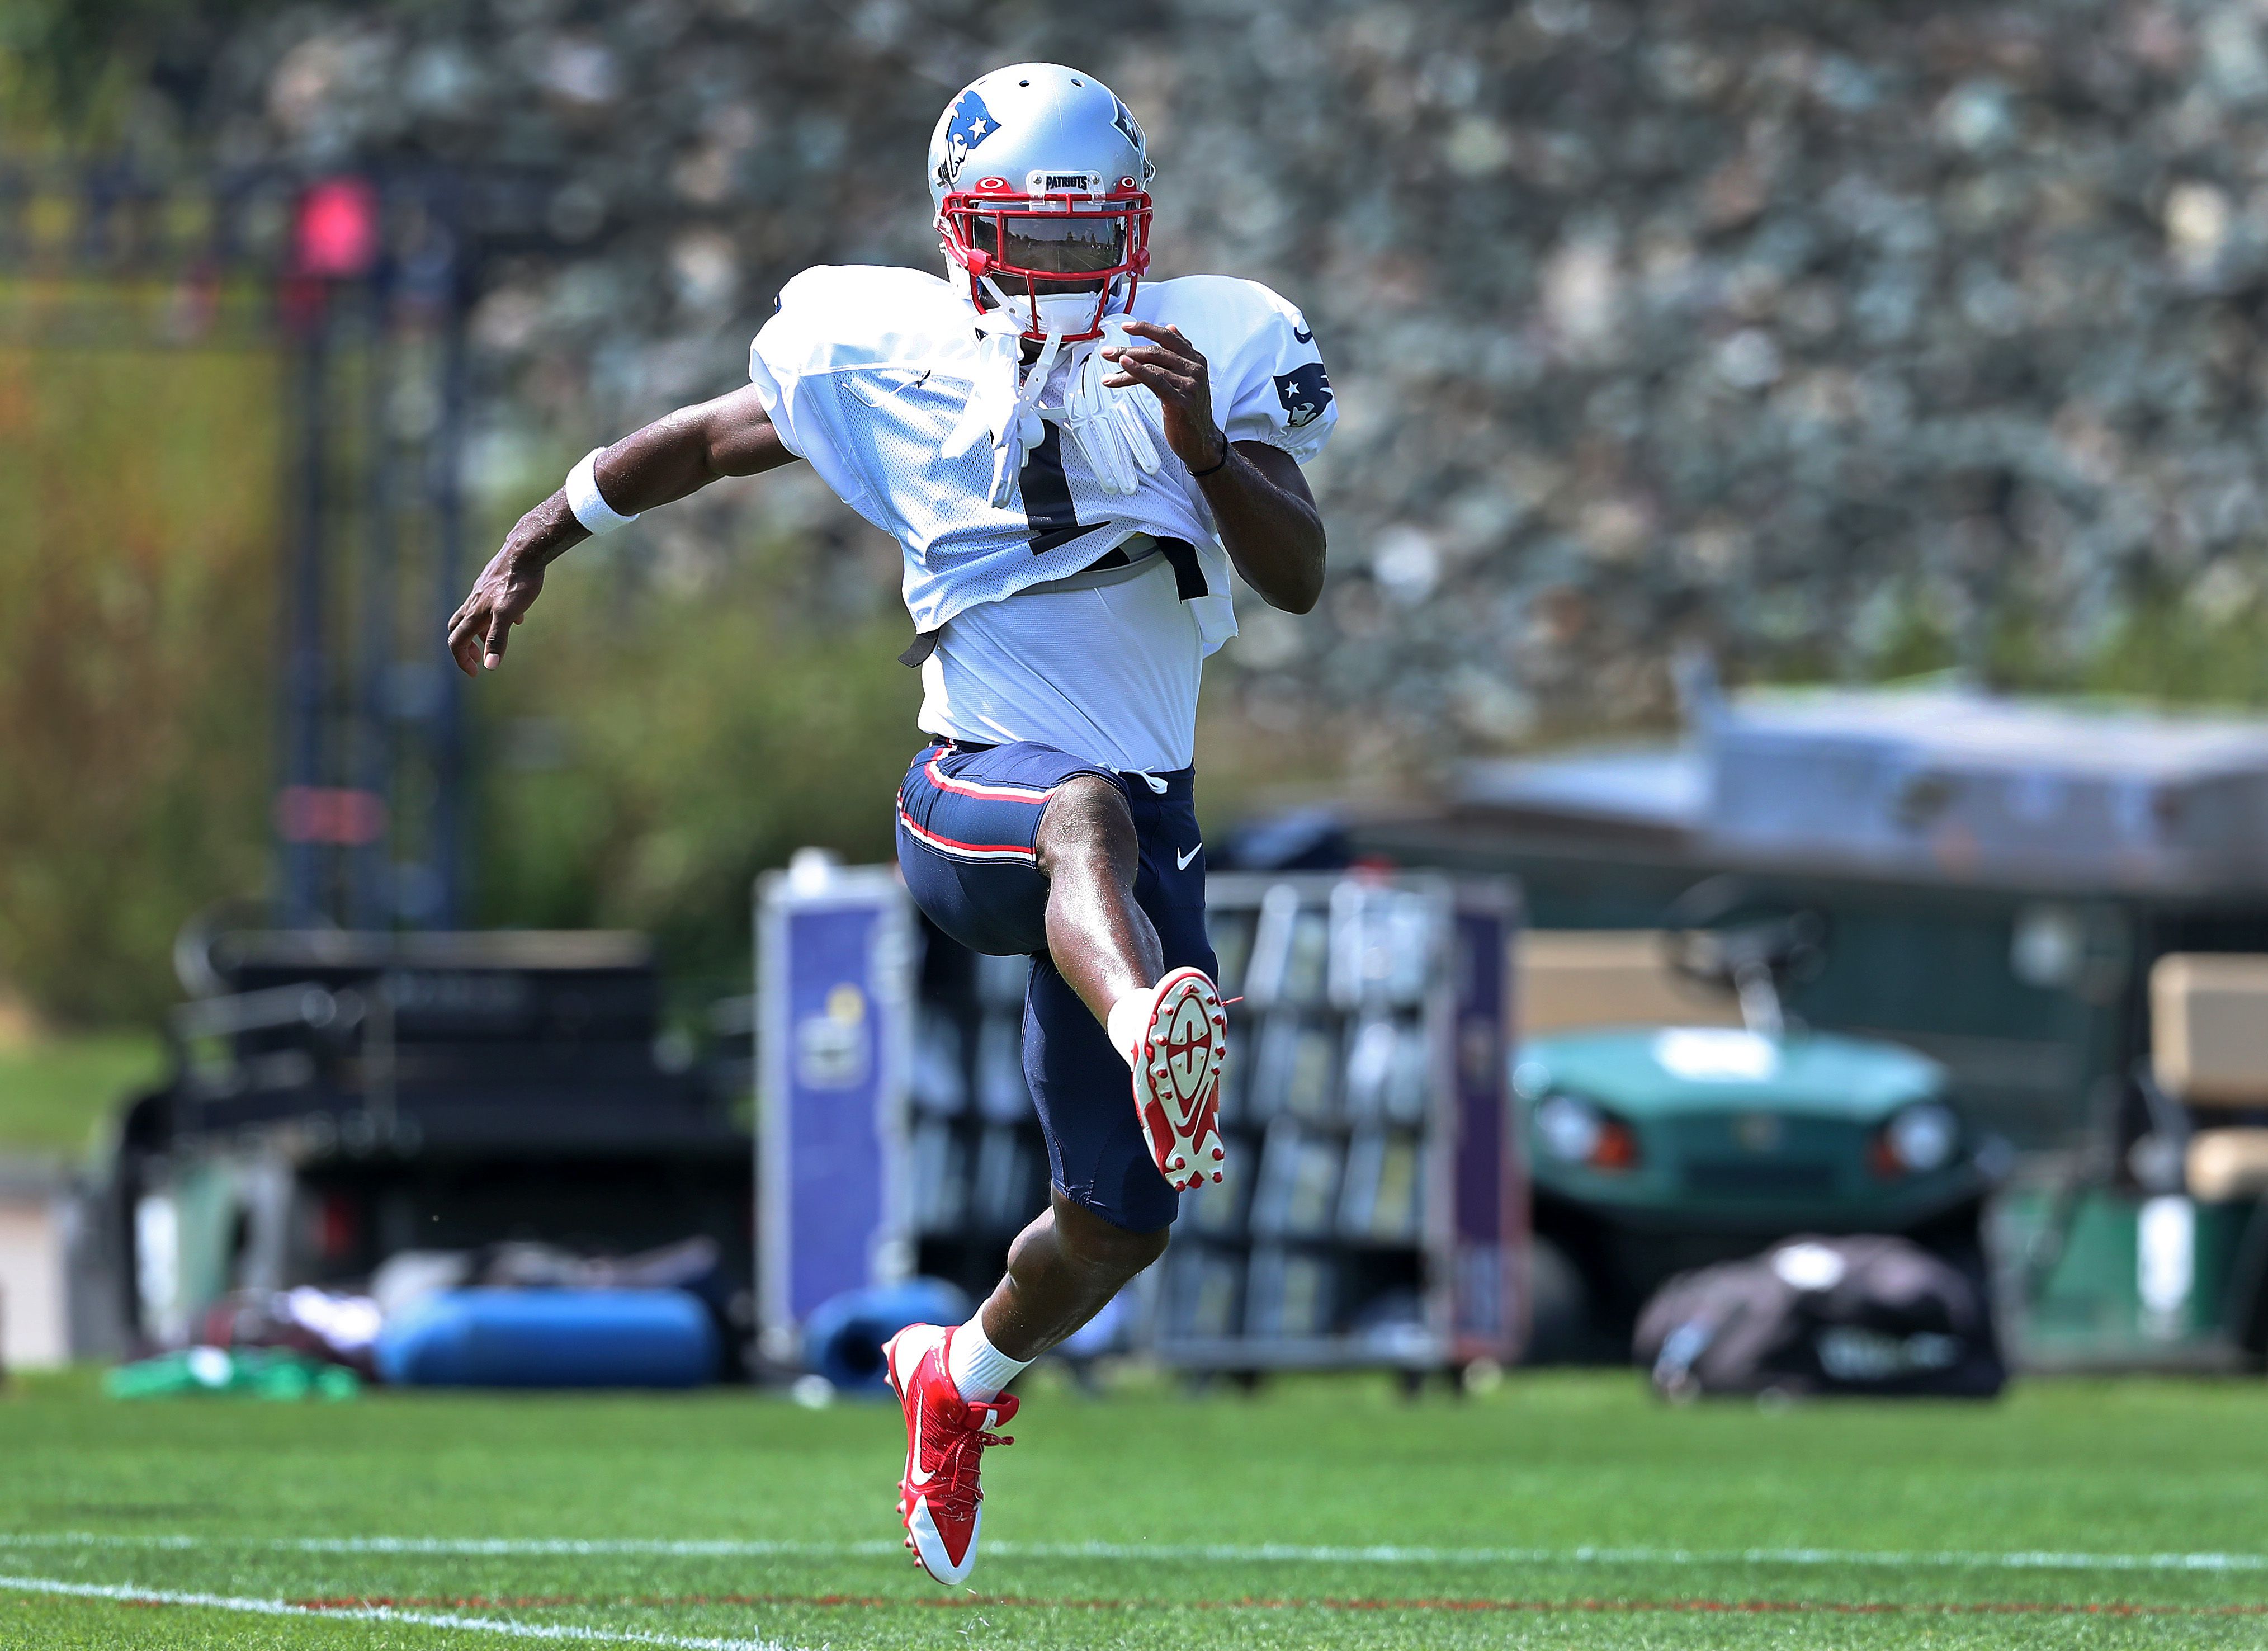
{"x": 138, "y": 527}
{"x": 58, "y": 57}
{"x": 2177, "y": 644}
{"x": 650, "y": 749}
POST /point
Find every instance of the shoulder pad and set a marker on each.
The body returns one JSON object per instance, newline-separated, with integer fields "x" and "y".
{"x": 833, "y": 314}
{"x": 1223, "y": 303}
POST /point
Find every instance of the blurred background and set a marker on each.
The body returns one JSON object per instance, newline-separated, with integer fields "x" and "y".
{"x": 1682, "y": 352}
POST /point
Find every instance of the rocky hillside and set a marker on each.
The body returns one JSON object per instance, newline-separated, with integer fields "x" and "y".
{"x": 1842, "y": 335}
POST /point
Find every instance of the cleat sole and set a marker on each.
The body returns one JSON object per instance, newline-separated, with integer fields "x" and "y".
{"x": 1184, "y": 1052}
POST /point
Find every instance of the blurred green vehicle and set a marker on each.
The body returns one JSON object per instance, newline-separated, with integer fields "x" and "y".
{"x": 1654, "y": 1149}
{"x": 2007, "y": 880}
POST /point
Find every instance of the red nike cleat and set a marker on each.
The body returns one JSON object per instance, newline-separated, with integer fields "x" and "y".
{"x": 1177, "y": 1072}
{"x": 946, "y": 1436}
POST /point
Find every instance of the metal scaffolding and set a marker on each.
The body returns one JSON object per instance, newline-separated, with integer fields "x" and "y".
{"x": 363, "y": 280}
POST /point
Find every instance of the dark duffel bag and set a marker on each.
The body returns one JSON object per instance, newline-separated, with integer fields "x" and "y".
{"x": 1865, "y": 1314}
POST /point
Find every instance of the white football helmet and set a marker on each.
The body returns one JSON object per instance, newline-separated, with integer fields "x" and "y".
{"x": 1040, "y": 175}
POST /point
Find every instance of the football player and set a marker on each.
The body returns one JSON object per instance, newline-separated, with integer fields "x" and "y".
{"x": 1072, "y": 458}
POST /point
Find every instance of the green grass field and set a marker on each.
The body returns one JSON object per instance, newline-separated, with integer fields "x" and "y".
{"x": 1558, "y": 1510}
{"x": 56, "y": 1094}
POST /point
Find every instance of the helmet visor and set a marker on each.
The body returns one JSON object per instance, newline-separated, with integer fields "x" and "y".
{"x": 1050, "y": 243}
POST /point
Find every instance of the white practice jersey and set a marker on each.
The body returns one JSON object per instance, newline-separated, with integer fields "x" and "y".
{"x": 1109, "y": 672}
{"x": 866, "y": 373}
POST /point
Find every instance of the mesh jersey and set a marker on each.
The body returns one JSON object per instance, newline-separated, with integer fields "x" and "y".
{"x": 864, "y": 371}
{"x": 1109, "y": 673}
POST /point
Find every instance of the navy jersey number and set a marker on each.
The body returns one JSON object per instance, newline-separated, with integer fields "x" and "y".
{"x": 1047, "y": 495}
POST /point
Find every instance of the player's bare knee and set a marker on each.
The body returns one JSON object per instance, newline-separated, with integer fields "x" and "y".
{"x": 1117, "y": 1263}
{"x": 1103, "y": 1249}
{"x": 1086, "y": 827}
{"x": 1142, "y": 1248}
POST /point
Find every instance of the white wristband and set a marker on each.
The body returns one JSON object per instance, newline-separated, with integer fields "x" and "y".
{"x": 589, "y": 505}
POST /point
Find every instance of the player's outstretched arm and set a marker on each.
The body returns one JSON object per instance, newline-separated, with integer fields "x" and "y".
{"x": 665, "y": 462}
{"x": 1267, "y": 518}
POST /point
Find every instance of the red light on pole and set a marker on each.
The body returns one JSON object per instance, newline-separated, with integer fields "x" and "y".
{"x": 340, "y": 816}
{"x": 336, "y": 232}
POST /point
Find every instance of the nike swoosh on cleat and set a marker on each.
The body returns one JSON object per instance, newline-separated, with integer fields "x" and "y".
{"x": 1308, "y": 337}
{"x": 914, "y": 1476}
{"x": 1181, "y": 861}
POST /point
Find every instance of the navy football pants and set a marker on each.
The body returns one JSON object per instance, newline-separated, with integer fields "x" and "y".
{"x": 968, "y": 818}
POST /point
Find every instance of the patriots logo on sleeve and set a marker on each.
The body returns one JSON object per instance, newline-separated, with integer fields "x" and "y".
{"x": 970, "y": 125}
{"x": 1304, "y": 392}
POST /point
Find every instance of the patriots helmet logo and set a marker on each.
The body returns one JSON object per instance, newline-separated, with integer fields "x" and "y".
{"x": 970, "y": 125}
{"x": 1127, "y": 126}
{"x": 1304, "y": 392}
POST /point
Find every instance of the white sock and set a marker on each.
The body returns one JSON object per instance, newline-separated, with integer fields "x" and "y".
{"x": 978, "y": 1368}
{"x": 1129, "y": 1018}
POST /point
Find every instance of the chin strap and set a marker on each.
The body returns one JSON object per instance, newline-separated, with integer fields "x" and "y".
{"x": 1111, "y": 427}
{"x": 1004, "y": 402}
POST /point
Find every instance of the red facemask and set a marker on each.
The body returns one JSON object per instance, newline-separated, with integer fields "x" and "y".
{"x": 1055, "y": 258}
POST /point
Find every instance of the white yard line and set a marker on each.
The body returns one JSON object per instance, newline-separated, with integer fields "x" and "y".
{"x": 1403, "y": 1555}
{"x": 129, "y": 1593}
{"x": 1394, "y": 1554}
{"x": 724, "y": 1548}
